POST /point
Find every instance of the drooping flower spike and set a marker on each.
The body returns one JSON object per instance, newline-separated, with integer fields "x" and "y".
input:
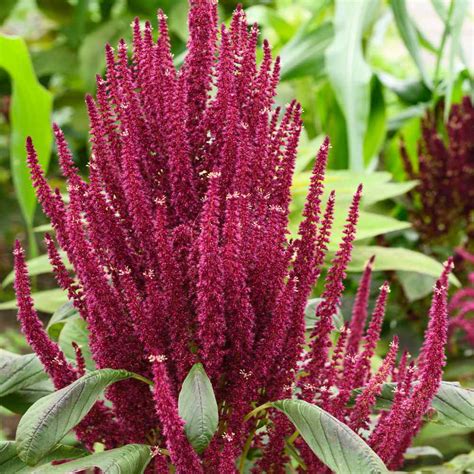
{"x": 179, "y": 244}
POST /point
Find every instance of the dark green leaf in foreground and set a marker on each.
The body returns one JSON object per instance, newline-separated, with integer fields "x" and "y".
{"x": 129, "y": 459}
{"x": 335, "y": 444}
{"x": 51, "y": 417}
{"x": 198, "y": 408}
{"x": 19, "y": 371}
{"x": 10, "y": 463}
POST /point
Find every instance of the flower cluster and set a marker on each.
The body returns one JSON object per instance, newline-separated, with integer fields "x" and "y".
{"x": 443, "y": 202}
{"x": 180, "y": 250}
{"x": 461, "y": 305}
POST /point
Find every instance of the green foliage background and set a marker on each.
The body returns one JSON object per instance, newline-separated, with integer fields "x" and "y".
{"x": 365, "y": 73}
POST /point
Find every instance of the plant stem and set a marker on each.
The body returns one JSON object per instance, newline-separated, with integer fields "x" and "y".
{"x": 142, "y": 379}
{"x": 245, "y": 451}
{"x": 257, "y": 410}
{"x": 447, "y": 30}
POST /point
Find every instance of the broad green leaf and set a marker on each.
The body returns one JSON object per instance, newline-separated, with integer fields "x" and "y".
{"x": 384, "y": 191}
{"x": 409, "y": 36}
{"x": 129, "y": 459}
{"x": 10, "y": 463}
{"x": 51, "y": 417}
{"x": 310, "y": 314}
{"x": 377, "y": 123}
{"x": 416, "y": 285}
{"x": 423, "y": 453}
{"x": 376, "y": 188}
{"x": 410, "y": 91}
{"x": 304, "y": 54}
{"x": 59, "y": 318}
{"x": 21, "y": 401}
{"x": 456, "y": 19}
{"x": 37, "y": 266}
{"x": 335, "y": 444}
{"x": 349, "y": 74}
{"x": 369, "y": 225}
{"x": 345, "y": 183}
{"x": 19, "y": 371}
{"x": 47, "y": 301}
{"x": 75, "y": 330}
{"x": 453, "y": 404}
{"x": 393, "y": 258}
{"x": 198, "y": 408}
{"x": 30, "y": 115}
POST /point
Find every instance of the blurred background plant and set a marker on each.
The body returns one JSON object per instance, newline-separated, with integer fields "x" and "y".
{"x": 380, "y": 77}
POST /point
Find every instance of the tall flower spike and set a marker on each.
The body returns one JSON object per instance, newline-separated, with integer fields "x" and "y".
{"x": 359, "y": 310}
{"x": 49, "y": 353}
{"x": 362, "y": 367}
{"x": 320, "y": 343}
{"x": 210, "y": 288}
{"x": 366, "y": 400}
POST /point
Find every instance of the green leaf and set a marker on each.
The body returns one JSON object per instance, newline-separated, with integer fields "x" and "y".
{"x": 416, "y": 285}
{"x": 423, "y": 454}
{"x": 6, "y": 7}
{"x": 304, "y": 54}
{"x": 21, "y": 401}
{"x": 454, "y": 404}
{"x": 10, "y": 462}
{"x": 51, "y": 417}
{"x": 377, "y": 123}
{"x": 30, "y": 114}
{"x": 91, "y": 53}
{"x": 59, "y": 318}
{"x": 349, "y": 74}
{"x": 19, "y": 371}
{"x": 198, "y": 408}
{"x": 370, "y": 225}
{"x": 75, "y": 330}
{"x": 409, "y": 91}
{"x": 376, "y": 188}
{"x": 392, "y": 258}
{"x": 409, "y": 36}
{"x": 129, "y": 459}
{"x": 37, "y": 266}
{"x": 47, "y": 301}
{"x": 335, "y": 444}
{"x": 456, "y": 20}
{"x": 310, "y": 314}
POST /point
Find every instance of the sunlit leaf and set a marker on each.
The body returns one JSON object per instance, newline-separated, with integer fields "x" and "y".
{"x": 349, "y": 73}
{"x": 335, "y": 444}
{"x": 198, "y": 408}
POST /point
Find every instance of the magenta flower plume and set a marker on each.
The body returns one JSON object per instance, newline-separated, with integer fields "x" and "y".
{"x": 461, "y": 306}
{"x": 51, "y": 356}
{"x": 443, "y": 201}
{"x": 178, "y": 240}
